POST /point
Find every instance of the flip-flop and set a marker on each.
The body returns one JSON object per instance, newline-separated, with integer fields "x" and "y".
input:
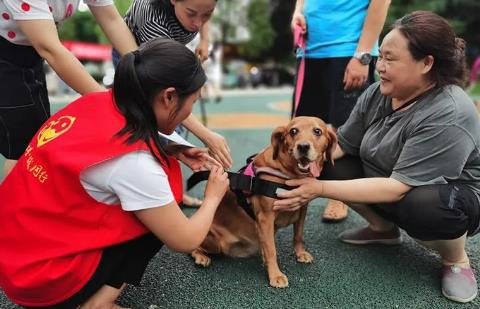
{"x": 335, "y": 211}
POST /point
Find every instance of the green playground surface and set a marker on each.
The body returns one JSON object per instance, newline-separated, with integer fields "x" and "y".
{"x": 341, "y": 276}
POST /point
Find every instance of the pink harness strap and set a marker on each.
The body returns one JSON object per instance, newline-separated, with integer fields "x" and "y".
{"x": 249, "y": 170}
{"x": 299, "y": 43}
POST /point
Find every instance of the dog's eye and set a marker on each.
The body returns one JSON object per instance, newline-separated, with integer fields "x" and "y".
{"x": 317, "y": 131}
{"x": 293, "y": 131}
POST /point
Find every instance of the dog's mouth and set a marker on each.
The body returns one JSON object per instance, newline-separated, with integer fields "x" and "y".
{"x": 305, "y": 166}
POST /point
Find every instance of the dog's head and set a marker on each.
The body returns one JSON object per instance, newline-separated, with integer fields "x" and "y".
{"x": 302, "y": 145}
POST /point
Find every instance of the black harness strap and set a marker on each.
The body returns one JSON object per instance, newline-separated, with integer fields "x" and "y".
{"x": 241, "y": 182}
{"x": 242, "y": 185}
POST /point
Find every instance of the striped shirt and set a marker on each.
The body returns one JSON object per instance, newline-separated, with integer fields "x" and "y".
{"x": 150, "y": 19}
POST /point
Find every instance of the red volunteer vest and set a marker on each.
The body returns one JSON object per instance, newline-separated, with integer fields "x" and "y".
{"x": 52, "y": 232}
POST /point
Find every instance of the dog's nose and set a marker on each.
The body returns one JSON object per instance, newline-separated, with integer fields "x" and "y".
{"x": 303, "y": 148}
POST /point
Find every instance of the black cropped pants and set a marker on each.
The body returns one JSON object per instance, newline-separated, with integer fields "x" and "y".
{"x": 121, "y": 263}
{"x": 430, "y": 212}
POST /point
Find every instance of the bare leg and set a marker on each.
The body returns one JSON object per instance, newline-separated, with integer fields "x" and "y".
{"x": 452, "y": 251}
{"x": 458, "y": 280}
{"x": 104, "y": 298}
{"x": 376, "y": 222}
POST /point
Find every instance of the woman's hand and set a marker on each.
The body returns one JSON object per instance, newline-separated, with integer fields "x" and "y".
{"x": 308, "y": 189}
{"x": 217, "y": 185}
{"x": 356, "y": 74}
{"x": 298, "y": 19}
{"x": 197, "y": 159}
{"x": 218, "y": 149}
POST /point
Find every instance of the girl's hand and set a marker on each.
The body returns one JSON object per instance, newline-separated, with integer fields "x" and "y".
{"x": 197, "y": 159}
{"x": 202, "y": 50}
{"x": 217, "y": 184}
{"x": 218, "y": 149}
{"x": 308, "y": 189}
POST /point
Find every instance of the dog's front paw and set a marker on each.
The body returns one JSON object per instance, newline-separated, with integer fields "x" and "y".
{"x": 304, "y": 257}
{"x": 279, "y": 281}
{"x": 201, "y": 259}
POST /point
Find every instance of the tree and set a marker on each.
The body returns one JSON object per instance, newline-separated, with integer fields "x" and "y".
{"x": 261, "y": 32}
{"x": 461, "y": 14}
{"x": 83, "y": 27}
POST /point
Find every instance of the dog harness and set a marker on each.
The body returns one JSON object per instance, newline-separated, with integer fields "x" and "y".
{"x": 246, "y": 182}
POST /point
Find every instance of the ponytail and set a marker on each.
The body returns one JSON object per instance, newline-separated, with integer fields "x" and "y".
{"x": 141, "y": 75}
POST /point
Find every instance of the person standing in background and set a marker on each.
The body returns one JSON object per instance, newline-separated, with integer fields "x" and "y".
{"x": 213, "y": 69}
{"x": 181, "y": 21}
{"x": 341, "y": 50}
{"x": 28, "y": 35}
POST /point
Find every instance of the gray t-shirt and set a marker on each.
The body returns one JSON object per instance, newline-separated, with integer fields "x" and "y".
{"x": 434, "y": 141}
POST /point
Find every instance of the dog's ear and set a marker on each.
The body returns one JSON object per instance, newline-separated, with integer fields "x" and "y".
{"x": 332, "y": 143}
{"x": 276, "y": 140}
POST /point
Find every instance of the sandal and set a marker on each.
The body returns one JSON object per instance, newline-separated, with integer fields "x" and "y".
{"x": 190, "y": 201}
{"x": 335, "y": 211}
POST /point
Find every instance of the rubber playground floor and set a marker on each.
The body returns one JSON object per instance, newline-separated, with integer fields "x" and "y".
{"x": 341, "y": 276}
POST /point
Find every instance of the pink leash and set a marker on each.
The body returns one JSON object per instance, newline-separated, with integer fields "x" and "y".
{"x": 299, "y": 42}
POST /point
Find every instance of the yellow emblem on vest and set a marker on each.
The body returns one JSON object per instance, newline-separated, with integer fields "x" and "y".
{"x": 54, "y": 129}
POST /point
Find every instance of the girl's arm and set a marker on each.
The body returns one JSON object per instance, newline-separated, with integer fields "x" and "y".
{"x": 179, "y": 232}
{"x": 216, "y": 143}
{"x": 202, "y": 48}
{"x": 114, "y": 28}
{"x": 43, "y": 36}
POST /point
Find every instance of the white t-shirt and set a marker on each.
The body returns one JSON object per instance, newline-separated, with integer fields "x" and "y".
{"x": 135, "y": 180}
{"x": 56, "y": 10}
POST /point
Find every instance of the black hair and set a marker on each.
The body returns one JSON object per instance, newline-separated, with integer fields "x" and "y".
{"x": 166, "y": 4}
{"x": 141, "y": 75}
{"x": 429, "y": 34}
{"x": 162, "y": 4}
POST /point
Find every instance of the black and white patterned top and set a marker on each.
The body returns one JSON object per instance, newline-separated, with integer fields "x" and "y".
{"x": 150, "y": 19}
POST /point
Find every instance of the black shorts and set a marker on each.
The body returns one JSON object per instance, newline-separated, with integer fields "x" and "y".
{"x": 24, "y": 105}
{"x": 122, "y": 263}
{"x": 322, "y": 92}
{"x": 430, "y": 212}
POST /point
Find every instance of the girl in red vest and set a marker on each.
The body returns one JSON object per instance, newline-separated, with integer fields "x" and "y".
{"x": 95, "y": 195}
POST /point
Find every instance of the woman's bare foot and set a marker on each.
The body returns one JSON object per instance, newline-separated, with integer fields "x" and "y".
{"x": 335, "y": 211}
{"x": 190, "y": 201}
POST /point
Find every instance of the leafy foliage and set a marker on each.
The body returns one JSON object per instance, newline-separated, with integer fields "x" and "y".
{"x": 83, "y": 27}
{"x": 268, "y": 22}
{"x": 260, "y": 28}
{"x": 462, "y": 15}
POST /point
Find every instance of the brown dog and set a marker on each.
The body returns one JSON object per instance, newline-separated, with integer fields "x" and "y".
{"x": 297, "y": 150}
